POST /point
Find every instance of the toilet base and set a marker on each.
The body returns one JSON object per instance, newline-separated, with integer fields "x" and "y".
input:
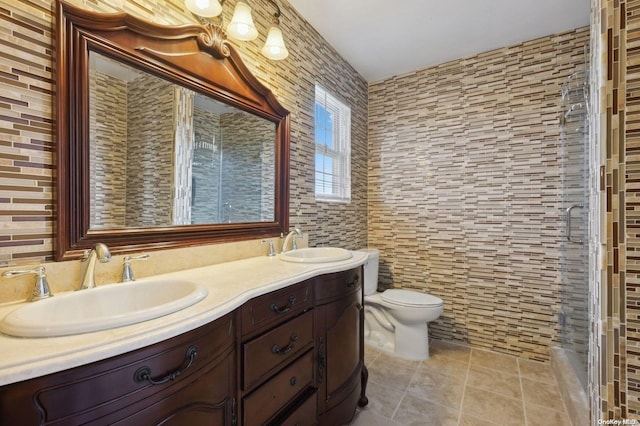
{"x": 376, "y": 340}
{"x": 410, "y": 343}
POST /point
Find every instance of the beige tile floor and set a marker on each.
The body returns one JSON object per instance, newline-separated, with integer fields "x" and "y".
{"x": 462, "y": 386}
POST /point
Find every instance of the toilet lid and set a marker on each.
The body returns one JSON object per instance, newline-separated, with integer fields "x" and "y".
{"x": 410, "y": 298}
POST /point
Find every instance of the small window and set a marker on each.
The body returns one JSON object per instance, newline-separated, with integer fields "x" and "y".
{"x": 333, "y": 148}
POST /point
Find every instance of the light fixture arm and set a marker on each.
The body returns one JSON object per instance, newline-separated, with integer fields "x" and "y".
{"x": 276, "y": 16}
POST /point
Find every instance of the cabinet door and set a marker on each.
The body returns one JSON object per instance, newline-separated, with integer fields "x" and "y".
{"x": 340, "y": 351}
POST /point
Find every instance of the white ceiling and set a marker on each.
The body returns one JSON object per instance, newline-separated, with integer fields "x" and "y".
{"x": 381, "y": 39}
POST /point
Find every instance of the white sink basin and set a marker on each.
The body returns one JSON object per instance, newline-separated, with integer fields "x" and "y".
{"x": 316, "y": 255}
{"x": 101, "y": 308}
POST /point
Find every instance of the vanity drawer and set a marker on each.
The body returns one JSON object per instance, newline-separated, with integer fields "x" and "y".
{"x": 266, "y": 311}
{"x": 275, "y": 348}
{"x": 85, "y": 393}
{"x": 333, "y": 286}
{"x": 267, "y": 400}
{"x": 304, "y": 415}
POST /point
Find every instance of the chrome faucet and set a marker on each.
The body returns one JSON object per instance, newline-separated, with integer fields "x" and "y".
{"x": 295, "y": 232}
{"x": 272, "y": 249}
{"x": 127, "y": 270}
{"x": 41, "y": 286}
{"x": 100, "y": 252}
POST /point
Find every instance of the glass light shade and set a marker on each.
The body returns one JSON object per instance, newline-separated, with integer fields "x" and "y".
{"x": 274, "y": 47}
{"x": 241, "y": 26}
{"x": 204, "y": 8}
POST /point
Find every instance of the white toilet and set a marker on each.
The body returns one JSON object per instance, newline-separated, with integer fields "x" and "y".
{"x": 395, "y": 321}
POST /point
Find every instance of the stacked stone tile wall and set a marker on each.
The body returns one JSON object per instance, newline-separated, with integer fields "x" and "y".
{"x": 619, "y": 304}
{"x": 245, "y": 139}
{"x": 109, "y": 143}
{"x": 206, "y": 167}
{"x": 465, "y": 190}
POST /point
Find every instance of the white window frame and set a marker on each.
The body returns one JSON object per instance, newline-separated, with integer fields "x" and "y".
{"x": 341, "y": 153}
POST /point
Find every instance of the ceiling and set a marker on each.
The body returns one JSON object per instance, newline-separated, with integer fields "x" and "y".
{"x": 381, "y": 39}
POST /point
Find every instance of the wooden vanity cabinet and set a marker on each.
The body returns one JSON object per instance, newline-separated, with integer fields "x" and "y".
{"x": 340, "y": 345}
{"x": 194, "y": 376}
{"x": 277, "y": 358}
{"x": 290, "y": 357}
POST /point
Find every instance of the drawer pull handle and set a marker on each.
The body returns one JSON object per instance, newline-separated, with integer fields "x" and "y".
{"x": 293, "y": 381}
{"x": 285, "y": 309}
{"x": 282, "y": 351}
{"x": 144, "y": 373}
{"x": 352, "y": 284}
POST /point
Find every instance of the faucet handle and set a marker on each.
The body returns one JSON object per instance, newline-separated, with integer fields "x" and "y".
{"x": 85, "y": 255}
{"x": 272, "y": 249}
{"x": 41, "y": 286}
{"x": 127, "y": 270}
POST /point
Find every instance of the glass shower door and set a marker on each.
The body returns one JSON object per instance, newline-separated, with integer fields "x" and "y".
{"x": 574, "y": 315}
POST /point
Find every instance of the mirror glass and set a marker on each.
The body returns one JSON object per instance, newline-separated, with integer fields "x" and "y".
{"x": 164, "y": 155}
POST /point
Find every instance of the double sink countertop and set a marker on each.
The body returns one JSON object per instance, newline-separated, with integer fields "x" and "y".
{"x": 230, "y": 285}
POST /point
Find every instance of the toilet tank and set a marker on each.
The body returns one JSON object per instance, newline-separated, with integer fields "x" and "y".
{"x": 371, "y": 271}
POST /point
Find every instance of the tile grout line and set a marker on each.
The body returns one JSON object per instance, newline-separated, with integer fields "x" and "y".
{"x": 404, "y": 393}
{"x": 464, "y": 388}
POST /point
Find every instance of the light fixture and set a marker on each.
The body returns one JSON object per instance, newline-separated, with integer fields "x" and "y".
{"x": 204, "y": 8}
{"x": 274, "y": 47}
{"x": 241, "y": 26}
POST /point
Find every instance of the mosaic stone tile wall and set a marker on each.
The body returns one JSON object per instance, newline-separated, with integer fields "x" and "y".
{"x": 620, "y": 289}
{"x": 109, "y": 209}
{"x": 206, "y": 167}
{"x": 150, "y": 154}
{"x": 26, "y": 119}
{"x": 131, "y": 179}
{"x": 465, "y": 190}
{"x": 247, "y": 143}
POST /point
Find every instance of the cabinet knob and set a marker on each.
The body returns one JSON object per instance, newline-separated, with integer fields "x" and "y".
{"x": 293, "y": 381}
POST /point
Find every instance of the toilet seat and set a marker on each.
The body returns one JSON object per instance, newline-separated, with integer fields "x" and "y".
{"x": 410, "y": 298}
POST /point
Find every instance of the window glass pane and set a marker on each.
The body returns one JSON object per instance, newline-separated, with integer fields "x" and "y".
{"x": 324, "y": 164}
{"x": 323, "y": 126}
{"x": 332, "y": 121}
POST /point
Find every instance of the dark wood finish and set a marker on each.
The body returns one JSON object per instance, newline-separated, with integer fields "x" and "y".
{"x": 278, "y": 373}
{"x": 106, "y": 391}
{"x": 320, "y": 380}
{"x": 206, "y": 399}
{"x": 272, "y": 350}
{"x": 330, "y": 287}
{"x": 363, "y": 401}
{"x": 304, "y": 415}
{"x": 274, "y": 308}
{"x": 340, "y": 345}
{"x": 266, "y": 401}
{"x": 194, "y": 56}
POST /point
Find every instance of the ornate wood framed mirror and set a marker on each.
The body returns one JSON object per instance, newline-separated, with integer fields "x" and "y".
{"x": 165, "y": 138}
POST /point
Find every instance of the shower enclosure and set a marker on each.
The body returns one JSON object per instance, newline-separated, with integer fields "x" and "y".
{"x": 574, "y": 314}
